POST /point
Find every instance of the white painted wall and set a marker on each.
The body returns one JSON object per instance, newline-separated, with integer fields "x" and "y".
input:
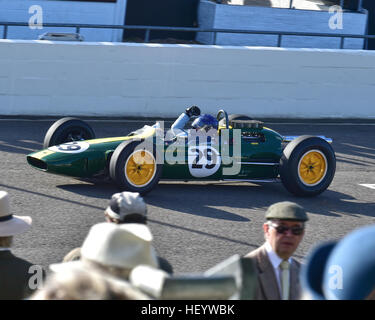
{"x": 220, "y": 16}
{"x": 124, "y": 79}
{"x": 64, "y": 12}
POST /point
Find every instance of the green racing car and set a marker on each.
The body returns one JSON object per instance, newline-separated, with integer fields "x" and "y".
{"x": 227, "y": 147}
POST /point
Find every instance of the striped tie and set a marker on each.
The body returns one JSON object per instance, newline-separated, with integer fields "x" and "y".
{"x": 284, "y": 266}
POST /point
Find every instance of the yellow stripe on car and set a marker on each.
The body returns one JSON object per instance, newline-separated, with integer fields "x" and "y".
{"x": 42, "y": 154}
{"x": 148, "y": 133}
{"x": 104, "y": 140}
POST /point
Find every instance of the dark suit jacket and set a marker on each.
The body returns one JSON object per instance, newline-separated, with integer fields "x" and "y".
{"x": 267, "y": 287}
{"x": 14, "y": 277}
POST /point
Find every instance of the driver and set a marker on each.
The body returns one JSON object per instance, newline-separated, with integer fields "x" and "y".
{"x": 203, "y": 122}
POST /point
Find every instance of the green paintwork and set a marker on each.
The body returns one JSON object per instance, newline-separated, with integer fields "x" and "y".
{"x": 83, "y": 165}
{"x": 269, "y": 151}
{"x": 95, "y": 160}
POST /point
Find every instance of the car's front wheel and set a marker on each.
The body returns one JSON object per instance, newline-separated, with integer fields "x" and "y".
{"x": 307, "y": 166}
{"x": 134, "y": 168}
{"x": 67, "y": 130}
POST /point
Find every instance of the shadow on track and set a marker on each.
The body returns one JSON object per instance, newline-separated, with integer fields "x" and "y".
{"x": 256, "y": 197}
{"x": 210, "y": 199}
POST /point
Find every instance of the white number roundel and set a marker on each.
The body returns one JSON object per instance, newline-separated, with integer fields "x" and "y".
{"x": 203, "y": 161}
{"x": 71, "y": 147}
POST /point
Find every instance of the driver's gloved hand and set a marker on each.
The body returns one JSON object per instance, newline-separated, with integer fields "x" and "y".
{"x": 193, "y": 111}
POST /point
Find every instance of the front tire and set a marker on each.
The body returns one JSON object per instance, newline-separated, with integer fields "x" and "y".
{"x": 67, "y": 130}
{"x": 134, "y": 169}
{"x": 307, "y": 166}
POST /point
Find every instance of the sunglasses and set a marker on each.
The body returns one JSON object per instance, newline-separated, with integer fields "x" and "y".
{"x": 297, "y": 231}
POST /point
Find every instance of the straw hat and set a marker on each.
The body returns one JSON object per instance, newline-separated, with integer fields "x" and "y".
{"x": 122, "y": 246}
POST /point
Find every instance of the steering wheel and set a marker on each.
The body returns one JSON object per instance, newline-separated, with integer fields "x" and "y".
{"x": 221, "y": 115}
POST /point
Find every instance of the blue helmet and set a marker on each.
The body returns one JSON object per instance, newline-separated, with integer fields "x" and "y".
{"x": 205, "y": 121}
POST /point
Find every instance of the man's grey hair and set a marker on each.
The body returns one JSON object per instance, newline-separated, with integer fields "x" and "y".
{"x": 86, "y": 285}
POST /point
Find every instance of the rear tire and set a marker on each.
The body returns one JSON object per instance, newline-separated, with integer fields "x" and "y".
{"x": 238, "y": 117}
{"x": 307, "y": 166}
{"x": 232, "y": 117}
{"x": 134, "y": 169}
{"x": 67, "y": 130}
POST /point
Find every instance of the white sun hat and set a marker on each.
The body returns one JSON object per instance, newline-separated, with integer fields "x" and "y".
{"x": 112, "y": 245}
{"x": 10, "y": 224}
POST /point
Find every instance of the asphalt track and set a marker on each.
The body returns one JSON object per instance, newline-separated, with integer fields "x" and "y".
{"x": 195, "y": 225}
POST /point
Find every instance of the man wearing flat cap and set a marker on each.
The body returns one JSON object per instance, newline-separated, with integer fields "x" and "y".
{"x": 278, "y": 272}
{"x": 14, "y": 271}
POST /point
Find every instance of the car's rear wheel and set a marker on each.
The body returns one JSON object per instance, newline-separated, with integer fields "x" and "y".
{"x": 235, "y": 116}
{"x": 134, "y": 169}
{"x": 67, "y": 130}
{"x": 307, "y": 166}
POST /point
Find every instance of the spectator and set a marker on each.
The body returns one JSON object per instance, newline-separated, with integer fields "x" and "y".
{"x": 124, "y": 207}
{"x": 14, "y": 278}
{"x": 342, "y": 270}
{"x": 278, "y": 273}
{"x": 114, "y": 249}
{"x": 78, "y": 283}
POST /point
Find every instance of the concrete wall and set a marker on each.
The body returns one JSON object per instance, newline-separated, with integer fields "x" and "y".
{"x": 124, "y": 79}
{"x": 64, "y": 12}
{"x": 220, "y": 16}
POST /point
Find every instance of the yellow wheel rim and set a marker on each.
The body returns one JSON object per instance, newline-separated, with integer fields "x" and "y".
{"x": 140, "y": 168}
{"x": 312, "y": 167}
